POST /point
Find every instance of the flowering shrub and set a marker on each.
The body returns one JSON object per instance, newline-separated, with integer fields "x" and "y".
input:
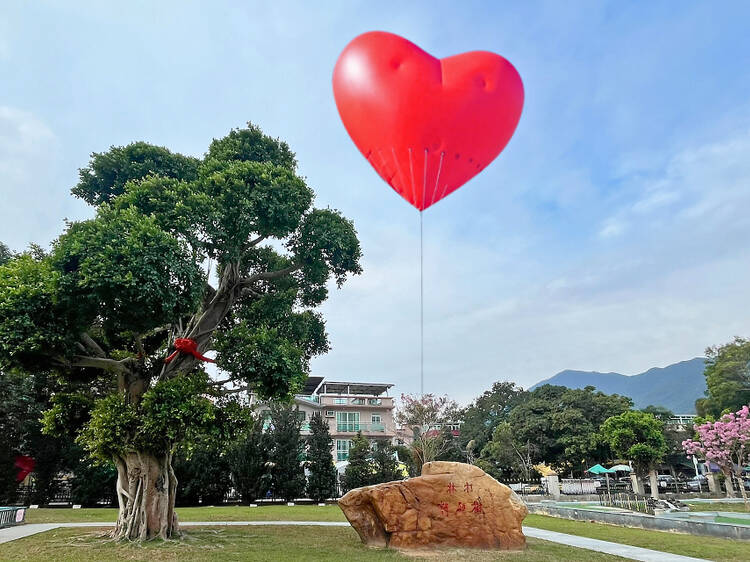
{"x": 725, "y": 442}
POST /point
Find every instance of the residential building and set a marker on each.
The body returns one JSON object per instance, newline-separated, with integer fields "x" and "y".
{"x": 348, "y": 407}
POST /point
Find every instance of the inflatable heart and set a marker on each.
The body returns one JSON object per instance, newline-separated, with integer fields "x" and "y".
{"x": 426, "y": 125}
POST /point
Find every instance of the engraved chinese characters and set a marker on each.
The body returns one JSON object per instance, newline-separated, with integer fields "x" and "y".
{"x": 451, "y": 504}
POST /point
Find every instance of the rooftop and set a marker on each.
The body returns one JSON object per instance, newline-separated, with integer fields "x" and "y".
{"x": 368, "y": 388}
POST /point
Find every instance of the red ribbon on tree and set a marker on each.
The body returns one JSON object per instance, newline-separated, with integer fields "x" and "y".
{"x": 186, "y": 345}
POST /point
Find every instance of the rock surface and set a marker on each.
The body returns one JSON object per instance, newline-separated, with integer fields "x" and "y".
{"x": 451, "y": 505}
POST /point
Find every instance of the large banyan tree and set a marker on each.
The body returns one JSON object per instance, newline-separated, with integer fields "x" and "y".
{"x": 183, "y": 257}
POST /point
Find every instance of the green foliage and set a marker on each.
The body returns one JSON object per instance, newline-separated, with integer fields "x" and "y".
{"x": 5, "y": 253}
{"x": 92, "y": 482}
{"x": 326, "y": 244}
{"x": 359, "y": 471}
{"x": 122, "y": 267}
{"x": 406, "y": 456}
{"x": 203, "y": 472}
{"x": 727, "y": 378}
{"x": 247, "y": 456}
{"x": 452, "y": 450}
{"x": 33, "y": 326}
{"x": 251, "y": 198}
{"x": 637, "y": 436}
{"x": 286, "y": 451}
{"x": 321, "y": 483}
{"x": 483, "y": 415}
{"x": 251, "y": 145}
{"x": 102, "y": 310}
{"x": 504, "y": 455}
{"x": 562, "y": 423}
{"x": 659, "y": 412}
{"x": 169, "y": 411}
{"x": 105, "y": 177}
{"x": 23, "y": 398}
{"x": 271, "y": 365}
{"x": 384, "y": 463}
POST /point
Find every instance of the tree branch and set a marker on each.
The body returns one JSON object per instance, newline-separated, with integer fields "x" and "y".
{"x": 219, "y": 383}
{"x": 257, "y": 241}
{"x": 98, "y": 363}
{"x": 269, "y": 275}
{"x": 92, "y": 345}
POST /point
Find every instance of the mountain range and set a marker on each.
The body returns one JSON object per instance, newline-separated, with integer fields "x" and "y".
{"x": 675, "y": 387}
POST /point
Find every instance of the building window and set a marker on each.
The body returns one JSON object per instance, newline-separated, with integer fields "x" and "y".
{"x": 339, "y": 400}
{"x": 376, "y": 418}
{"x": 374, "y": 401}
{"x": 301, "y": 415}
{"x": 358, "y": 401}
{"x": 347, "y": 421}
{"x": 342, "y": 449}
{"x": 329, "y": 413}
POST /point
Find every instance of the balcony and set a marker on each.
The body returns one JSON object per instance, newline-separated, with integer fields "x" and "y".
{"x": 357, "y": 402}
{"x": 354, "y": 427}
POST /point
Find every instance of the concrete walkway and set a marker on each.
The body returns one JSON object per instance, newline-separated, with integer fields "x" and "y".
{"x": 615, "y": 549}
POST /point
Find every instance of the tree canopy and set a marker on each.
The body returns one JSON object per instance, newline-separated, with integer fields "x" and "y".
{"x": 637, "y": 436}
{"x": 561, "y": 423}
{"x": 225, "y": 253}
{"x": 727, "y": 378}
{"x": 483, "y": 415}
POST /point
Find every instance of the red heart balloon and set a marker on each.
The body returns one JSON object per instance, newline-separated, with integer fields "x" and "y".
{"x": 426, "y": 125}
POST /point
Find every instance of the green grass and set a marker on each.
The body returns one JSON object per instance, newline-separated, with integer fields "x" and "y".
{"x": 260, "y": 543}
{"x": 733, "y": 520}
{"x": 689, "y": 545}
{"x": 718, "y": 506}
{"x": 676, "y": 543}
{"x": 224, "y": 513}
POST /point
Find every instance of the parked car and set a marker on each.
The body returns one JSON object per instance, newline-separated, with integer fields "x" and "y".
{"x": 697, "y": 483}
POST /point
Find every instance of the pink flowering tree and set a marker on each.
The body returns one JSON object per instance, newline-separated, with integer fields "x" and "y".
{"x": 726, "y": 443}
{"x": 426, "y": 416}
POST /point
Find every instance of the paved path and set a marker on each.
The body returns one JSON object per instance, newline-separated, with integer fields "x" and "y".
{"x": 616, "y": 549}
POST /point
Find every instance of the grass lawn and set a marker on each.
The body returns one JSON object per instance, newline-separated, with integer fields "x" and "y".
{"x": 689, "y": 545}
{"x": 224, "y": 513}
{"x": 718, "y": 506}
{"x": 732, "y": 520}
{"x": 676, "y": 543}
{"x": 259, "y": 543}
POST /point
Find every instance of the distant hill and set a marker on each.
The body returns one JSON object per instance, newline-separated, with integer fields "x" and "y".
{"x": 676, "y": 387}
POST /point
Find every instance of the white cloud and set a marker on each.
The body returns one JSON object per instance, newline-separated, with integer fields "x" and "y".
{"x": 665, "y": 281}
{"x": 29, "y": 155}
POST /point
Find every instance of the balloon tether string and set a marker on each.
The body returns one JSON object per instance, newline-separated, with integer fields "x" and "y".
{"x": 421, "y": 307}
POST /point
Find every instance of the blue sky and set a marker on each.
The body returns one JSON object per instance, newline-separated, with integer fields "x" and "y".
{"x": 611, "y": 234}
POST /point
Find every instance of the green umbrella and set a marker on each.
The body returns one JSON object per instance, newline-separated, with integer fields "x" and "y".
{"x": 599, "y": 469}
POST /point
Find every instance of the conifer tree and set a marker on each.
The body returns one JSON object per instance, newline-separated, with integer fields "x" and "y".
{"x": 321, "y": 483}
{"x": 247, "y": 456}
{"x": 288, "y": 474}
{"x": 360, "y": 470}
{"x": 384, "y": 462}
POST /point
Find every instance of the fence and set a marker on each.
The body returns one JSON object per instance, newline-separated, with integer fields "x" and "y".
{"x": 628, "y": 500}
{"x": 61, "y": 494}
{"x": 526, "y": 487}
{"x": 12, "y": 516}
{"x": 578, "y": 486}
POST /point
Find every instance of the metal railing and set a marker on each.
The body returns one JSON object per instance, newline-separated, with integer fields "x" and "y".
{"x": 627, "y": 500}
{"x": 354, "y": 427}
{"x": 526, "y": 487}
{"x": 12, "y": 516}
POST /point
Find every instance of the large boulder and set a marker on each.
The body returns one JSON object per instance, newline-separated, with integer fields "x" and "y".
{"x": 451, "y": 505}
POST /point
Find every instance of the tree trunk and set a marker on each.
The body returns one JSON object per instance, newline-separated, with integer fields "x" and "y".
{"x": 728, "y": 483}
{"x": 146, "y": 490}
{"x": 654, "y": 481}
{"x": 741, "y": 483}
